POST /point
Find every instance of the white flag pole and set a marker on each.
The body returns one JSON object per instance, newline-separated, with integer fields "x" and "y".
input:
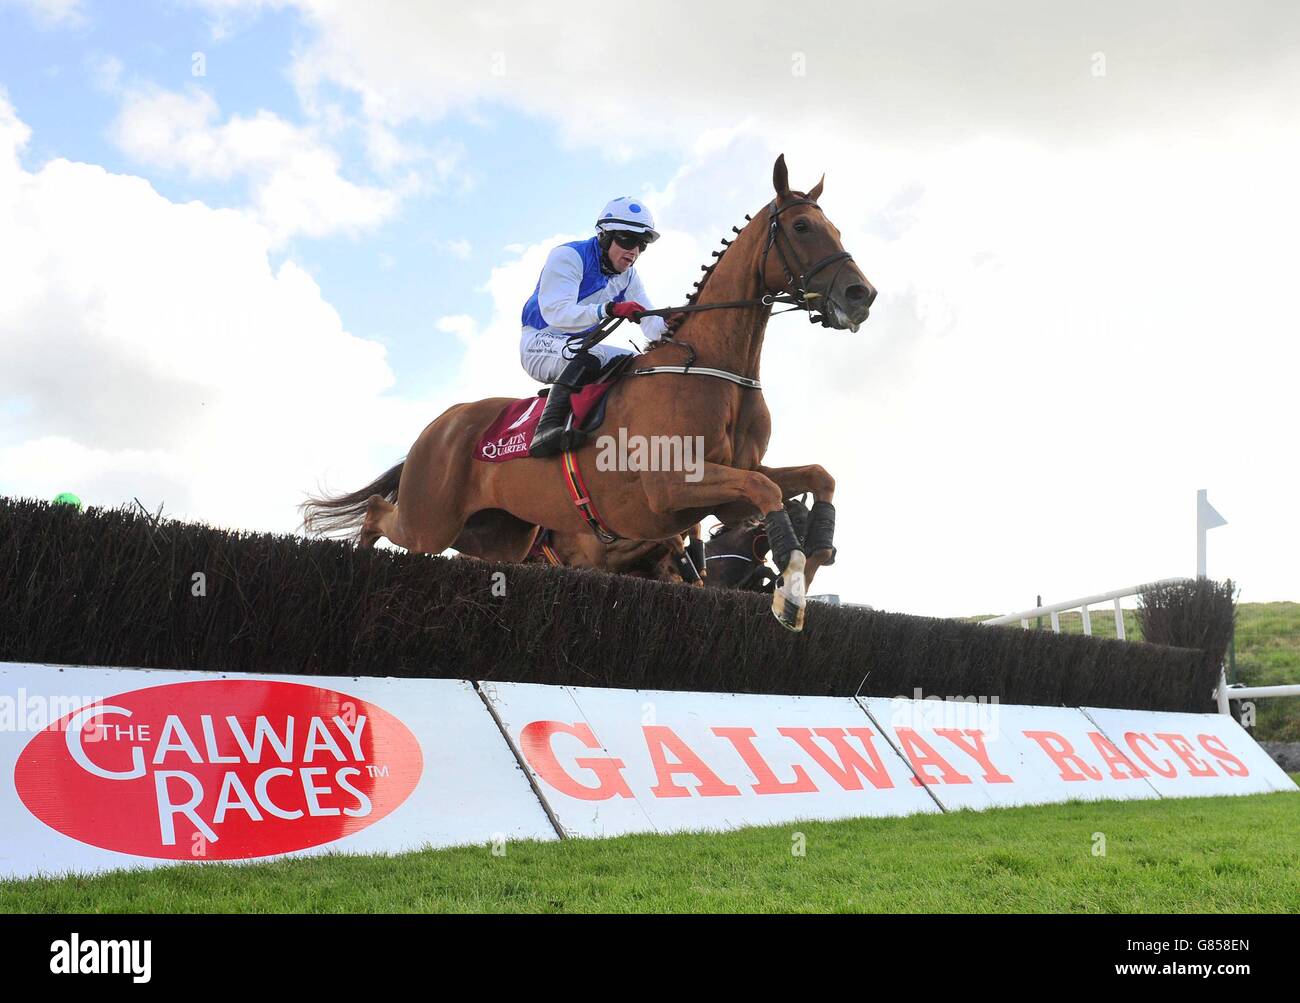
{"x": 1206, "y": 518}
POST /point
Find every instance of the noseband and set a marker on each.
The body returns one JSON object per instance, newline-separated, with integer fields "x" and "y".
{"x": 796, "y": 277}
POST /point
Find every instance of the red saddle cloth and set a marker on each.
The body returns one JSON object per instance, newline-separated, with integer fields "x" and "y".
{"x": 508, "y": 437}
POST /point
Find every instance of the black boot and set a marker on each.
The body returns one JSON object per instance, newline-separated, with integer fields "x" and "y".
{"x": 551, "y": 438}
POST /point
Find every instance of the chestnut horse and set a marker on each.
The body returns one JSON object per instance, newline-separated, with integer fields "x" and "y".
{"x": 788, "y": 253}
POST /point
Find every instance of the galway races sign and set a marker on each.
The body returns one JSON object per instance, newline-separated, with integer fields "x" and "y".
{"x": 123, "y": 767}
{"x": 153, "y": 767}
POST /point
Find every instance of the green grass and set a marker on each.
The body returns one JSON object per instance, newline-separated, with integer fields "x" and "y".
{"x": 1267, "y": 654}
{"x": 1199, "y": 855}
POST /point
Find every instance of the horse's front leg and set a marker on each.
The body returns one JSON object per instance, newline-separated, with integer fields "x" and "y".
{"x": 679, "y": 563}
{"x": 819, "y": 544}
{"x": 719, "y": 486}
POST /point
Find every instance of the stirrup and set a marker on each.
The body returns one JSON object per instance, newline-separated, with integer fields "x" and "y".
{"x": 551, "y": 436}
{"x": 560, "y": 438}
{"x": 555, "y": 441}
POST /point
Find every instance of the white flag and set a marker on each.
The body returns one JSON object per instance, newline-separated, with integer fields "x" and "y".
{"x": 1207, "y": 517}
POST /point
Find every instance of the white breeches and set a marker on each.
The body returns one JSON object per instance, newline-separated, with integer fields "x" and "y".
{"x": 543, "y": 359}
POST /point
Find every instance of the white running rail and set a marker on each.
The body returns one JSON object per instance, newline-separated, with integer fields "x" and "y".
{"x": 1223, "y": 693}
{"x": 1056, "y": 609}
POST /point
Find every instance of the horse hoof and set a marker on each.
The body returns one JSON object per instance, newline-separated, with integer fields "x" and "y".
{"x": 787, "y": 614}
{"x": 788, "y": 600}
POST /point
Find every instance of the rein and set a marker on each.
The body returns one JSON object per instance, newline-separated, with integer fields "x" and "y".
{"x": 795, "y": 294}
{"x": 798, "y": 297}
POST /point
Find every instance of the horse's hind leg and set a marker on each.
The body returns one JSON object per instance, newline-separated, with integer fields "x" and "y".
{"x": 442, "y": 485}
{"x": 383, "y": 519}
{"x": 496, "y": 535}
{"x": 381, "y": 515}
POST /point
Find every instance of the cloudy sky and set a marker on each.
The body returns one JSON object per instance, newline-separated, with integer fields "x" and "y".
{"x": 250, "y": 247}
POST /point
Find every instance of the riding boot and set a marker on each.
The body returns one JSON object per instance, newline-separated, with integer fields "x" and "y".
{"x": 551, "y": 437}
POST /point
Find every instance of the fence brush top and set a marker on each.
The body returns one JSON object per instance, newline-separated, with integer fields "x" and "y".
{"x": 113, "y": 587}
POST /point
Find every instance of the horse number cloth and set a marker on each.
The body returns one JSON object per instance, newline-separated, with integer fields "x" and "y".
{"x": 508, "y": 437}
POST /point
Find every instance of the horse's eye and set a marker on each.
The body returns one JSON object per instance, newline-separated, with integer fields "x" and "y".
{"x": 801, "y": 226}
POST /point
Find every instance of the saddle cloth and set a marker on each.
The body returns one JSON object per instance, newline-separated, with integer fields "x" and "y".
{"x": 507, "y": 438}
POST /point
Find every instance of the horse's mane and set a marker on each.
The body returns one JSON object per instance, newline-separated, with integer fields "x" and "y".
{"x": 708, "y": 269}
{"x": 698, "y": 288}
{"x": 694, "y": 294}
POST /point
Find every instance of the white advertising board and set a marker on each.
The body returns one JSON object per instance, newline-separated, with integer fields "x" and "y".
{"x": 111, "y": 768}
{"x": 617, "y": 761}
{"x": 984, "y": 755}
{"x": 1192, "y": 755}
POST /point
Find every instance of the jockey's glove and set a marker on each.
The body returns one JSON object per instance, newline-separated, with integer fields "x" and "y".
{"x": 627, "y": 310}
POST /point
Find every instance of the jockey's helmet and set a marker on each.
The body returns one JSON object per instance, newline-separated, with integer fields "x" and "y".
{"x": 627, "y": 214}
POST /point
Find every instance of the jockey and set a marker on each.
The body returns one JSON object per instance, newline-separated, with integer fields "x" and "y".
{"x": 584, "y": 283}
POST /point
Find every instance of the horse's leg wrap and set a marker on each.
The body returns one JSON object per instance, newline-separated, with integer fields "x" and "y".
{"x": 686, "y": 567}
{"x": 781, "y": 537}
{"x": 798, "y": 519}
{"x": 695, "y": 550}
{"x": 821, "y": 529}
{"x": 788, "y": 598}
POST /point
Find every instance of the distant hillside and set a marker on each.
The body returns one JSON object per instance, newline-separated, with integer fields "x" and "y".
{"x": 1267, "y": 653}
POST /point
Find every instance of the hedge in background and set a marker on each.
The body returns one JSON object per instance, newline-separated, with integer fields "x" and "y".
{"x": 111, "y": 587}
{"x": 1193, "y": 613}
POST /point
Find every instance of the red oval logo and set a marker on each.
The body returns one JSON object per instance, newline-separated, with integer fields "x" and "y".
{"x": 219, "y": 769}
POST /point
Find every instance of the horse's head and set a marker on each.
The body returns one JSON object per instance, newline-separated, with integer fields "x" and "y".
{"x": 736, "y": 557}
{"x": 658, "y": 560}
{"x": 803, "y": 254}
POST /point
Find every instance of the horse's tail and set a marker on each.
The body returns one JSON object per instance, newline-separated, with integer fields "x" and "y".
{"x": 329, "y": 516}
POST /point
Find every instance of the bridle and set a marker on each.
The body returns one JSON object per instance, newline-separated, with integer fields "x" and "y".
{"x": 795, "y": 291}
{"x": 797, "y": 277}
{"x": 753, "y": 578}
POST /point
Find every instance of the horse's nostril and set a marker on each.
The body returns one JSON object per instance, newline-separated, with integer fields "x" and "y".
{"x": 859, "y": 292}
{"x": 871, "y": 295}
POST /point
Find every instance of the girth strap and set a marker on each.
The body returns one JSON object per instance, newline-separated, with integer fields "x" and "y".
{"x": 581, "y": 497}
{"x": 722, "y": 374}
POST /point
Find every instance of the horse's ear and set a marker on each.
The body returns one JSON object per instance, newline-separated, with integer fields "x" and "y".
{"x": 781, "y": 177}
{"x": 816, "y": 192}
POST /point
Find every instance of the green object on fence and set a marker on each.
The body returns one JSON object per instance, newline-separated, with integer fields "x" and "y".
{"x": 68, "y": 498}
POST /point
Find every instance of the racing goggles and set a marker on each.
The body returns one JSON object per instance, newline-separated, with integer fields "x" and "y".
{"x": 627, "y": 241}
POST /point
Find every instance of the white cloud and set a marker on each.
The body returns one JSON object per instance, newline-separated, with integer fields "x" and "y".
{"x": 53, "y": 13}
{"x": 106, "y": 72}
{"x": 149, "y": 348}
{"x": 1066, "y": 347}
{"x": 459, "y": 248}
{"x": 295, "y": 178}
{"x": 872, "y": 71}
